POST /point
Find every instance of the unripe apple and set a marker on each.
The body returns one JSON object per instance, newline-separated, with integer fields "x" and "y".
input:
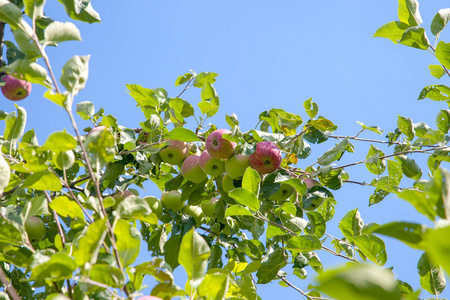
{"x": 310, "y": 182}
{"x": 149, "y": 298}
{"x": 236, "y": 165}
{"x": 195, "y": 212}
{"x": 209, "y": 207}
{"x": 210, "y": 165}
{"x": 191, "y": 169}
{"x": 266, "y": 158}
{"x": 174, "y": 153}
{"x": 315, "y": 203}
{"x": 155, "y": 205}
{"x": 15, "y": 89}
{"x": 172, "y": 200}
{"x": 97, "y": 129}
{"x": 219, "y": 147}
{"x": 35, "y": 228}
{"x": 227, "y": 183}
{"x": 64, "y": 160}
{"x": 283, "y": 193}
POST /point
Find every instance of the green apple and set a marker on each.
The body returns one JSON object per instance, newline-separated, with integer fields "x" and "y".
{"x": 64, "y": 160}
{"x": 35, "y": 229}
{"x": 155, "y": 205}
{"x": 210, "y": 165}
{"x": 175, "y": 152}
{"x": 227, "y": 183}
{"x": 191, "y": 169}
{"x": 236, "y": 165}
{"x": 195, "y": 212}
{"x": 315, "y": 203}
{"x": 283, "y": 193}
{"x": 209, "y": 207}
{"x": 172, "y": 200}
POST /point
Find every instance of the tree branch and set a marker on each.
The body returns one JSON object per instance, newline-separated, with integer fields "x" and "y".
{"x": 8, "y": 286}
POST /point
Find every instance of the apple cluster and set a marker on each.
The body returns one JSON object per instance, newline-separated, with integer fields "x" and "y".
{"x": 15, "y": 89}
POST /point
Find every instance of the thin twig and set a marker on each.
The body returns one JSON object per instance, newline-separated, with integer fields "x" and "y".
{"x": 295, "y": 288}
{"x": 2, "y": 33}
{"x": 55, "y": 216}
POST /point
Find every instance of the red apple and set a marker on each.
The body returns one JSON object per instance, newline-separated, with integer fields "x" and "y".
{"x": 236, "y": 165}
{"x": 191, "y": 169}
{"x": 172, "y": 200}
{"x": 310, "y": 182}
{"x": 210, "y": 165}
{"x": 35, "y": 229}
{"x": 15, "y": 89}
{"x": 266, "y": 158}
{"x": 174, "y": 153}
{"x": 217, "y": 146}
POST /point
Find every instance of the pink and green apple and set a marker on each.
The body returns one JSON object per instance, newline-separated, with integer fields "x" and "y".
{"x": 236, "y": 165}
{"x": 266, "y": 158}
{"x": 174, "y": 153}
{"x": 172, "y": 200}
{"x": 217, "y": 146}
{"x": 15, "y": 89}
{"x": 209, "y": 207}
{"x": 210, "y": 165}
{"x": 191, "y": 169}
{"x": 97, "y": 129}
{"x": 35, "y": 229}
{"x": 310, "y": 182}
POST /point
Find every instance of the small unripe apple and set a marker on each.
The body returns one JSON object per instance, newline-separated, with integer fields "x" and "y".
{"x": 219, "y": 147}
{"x": 210, "y": 165}
{"x": 315, "y": 203}
{"x": 195, "y": 212}
{"x": 310, "y": 182}
{"x": 209, "y": 207}
{"x": 236, "y": 165}
{"x": 64, "y": 160}
{"x": 155, "y": 204}
{"x": 227, "y": 183}
{"x": 283, "y": 193}
{"x": 35, "y": 229}
{"x": 149, "y": 298}
{"x": 172, "y": 200}
{"x": 191, "y": 169}
{"x": 15, "y": 89}
{"x": 174, "y": 153}
{"x": 266, "y": 158}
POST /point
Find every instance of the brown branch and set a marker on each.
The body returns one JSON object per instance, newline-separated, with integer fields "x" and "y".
{"x": 295, "y": 288}
{"x": 2, "y": 33}
{"x": 8, "y": 286}
{"x": 55, "y": 216}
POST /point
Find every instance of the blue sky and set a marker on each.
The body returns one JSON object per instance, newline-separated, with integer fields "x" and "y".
{"x": 267, "y": 54}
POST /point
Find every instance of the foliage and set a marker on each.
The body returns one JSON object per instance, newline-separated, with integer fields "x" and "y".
{"x": 81, "y": 187}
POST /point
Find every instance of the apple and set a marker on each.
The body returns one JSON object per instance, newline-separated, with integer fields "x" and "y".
{"x": 35, "y": 229}
{"x": 97, "y": 129}
{"x": 315, "y": 203}
{"x": 191, "y": 169}
{"x": 195, "y": 212}
{"x": 209, "y": 207}
{"x": 174, "y": 153}
{"x": 149, "y": 298}
{"x": 64, "y": 160}
{"x": 266, "y": 158}
{"x": 310, "y": 182}
{"x": 236, "y": 165}
{"x": 172, "y": 200}
{"x": 15, "y": 89}
{"x": 210, "y": 165}
{"x": 283, "y": 193}
{"x": 217, "y": 146}
{"x": 227, "y": 183}
{"x": 155, "y": 205}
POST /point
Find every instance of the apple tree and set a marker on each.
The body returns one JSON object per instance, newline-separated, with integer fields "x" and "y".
{"x": 237, "y": 209}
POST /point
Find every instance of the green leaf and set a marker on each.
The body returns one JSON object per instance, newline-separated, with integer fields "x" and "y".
{"x": 101, "y": 145}
{"x": 193, "y": 256}
{"x": 440, "y": 20}
{"x": 408, "y": 12}
{"x": 359, "y": 281}
{"x": 134, "y": 207}
{"x": 182, "y": 107}
{"x": 89, "y": 245}
{"x": 85, "y": 110}
{"x": 298, "y": 184}
{"x": 34, "y": 8}
{"x": 56, "y": 98}
{"x": 29, "y": 71}
{"x": 333, "y": 154}
{"x": 435, "y": 92}
{"x": 245, "y": 197}
{"x": 183, "y": 134}
{"x": 60, "y": 266}
{"x": 26, "y": 44}
{"x": 372, "y": 247}
{"x": 204, "y": 77}
{"x": 411, "y": 234}
{"x": 415, "y": 37}
{"x": 128, "y": 241}
{"x": 251, "y": 180}
{"x": 10, "y": 13}
{"x": 68, "y": 208}
{"x": 317, "y": 224}
{"x": 214, "y": 286}
{"x": 311, "y": 108}
{"x": 269, "y": 269}
{"x": 15, "y": 126}
{"x": 436, "y": 71}
{"x": 443, "y": 120}
{"x": 406, "y": 127}
{"x": 274, "y": 231}
{"x": 43, "y": 181}
{"x": 79, "y": 10}
{"x": 107, "y": 275}
{"x": 409, "y": 167}
{"x": 443, "y": 53}
{"x": 5, "y": 174}
{"x": 438, "y": 246}
{"x": 75, "y": 73}
{"x": 420, "y": 201}
{"x": 374, "y": 164}
{"x": 375, "y": 129}
{"x": 59, "y": 142}
{"x": 392, "y": 30}
{"x": 58, "y": 32}
{"x": 237, "y": 210}
{"x": 351, "y": 224}
{"x": 143, "y": 96}
{"x": 9, "y": 234}
{"x": 432, "y": 277}
{"x": 303, "y": 243}
{"x": 183, "y": 79}
{"x": 210, "y": 100}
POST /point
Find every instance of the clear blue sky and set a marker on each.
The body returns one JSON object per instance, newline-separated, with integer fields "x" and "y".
{"x": 267, "y": 54}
